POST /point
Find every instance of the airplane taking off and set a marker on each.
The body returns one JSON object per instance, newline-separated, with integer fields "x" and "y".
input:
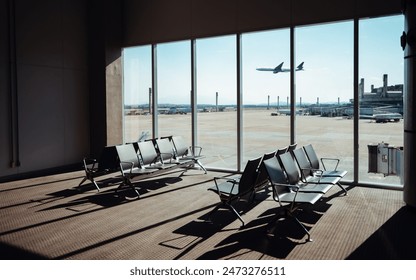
{"x": 280, "y": 69}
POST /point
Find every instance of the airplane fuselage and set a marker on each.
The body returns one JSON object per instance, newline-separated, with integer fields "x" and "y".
{"x": 279, "y": 69}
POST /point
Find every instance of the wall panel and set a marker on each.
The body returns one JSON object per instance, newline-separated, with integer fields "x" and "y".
{"x": 51, "y": 85}
{"x": 158, "y": 21}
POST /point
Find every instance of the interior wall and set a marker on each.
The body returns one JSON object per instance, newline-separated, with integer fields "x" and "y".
{"x": 5, "y": 146}
{"x": 52, "y": 124}
{"x": 105, "y": 21}
{"x": 158, "y": 21}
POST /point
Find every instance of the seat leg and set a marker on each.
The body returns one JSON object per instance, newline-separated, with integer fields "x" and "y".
{"x": 200, "y": 165}
{"x": 230, "y": 208}
{"x": 137, "y": 191}
{"x": 213, "y": 211}
{"x": 83, "y": 180}
{"x": 237, "y": 214}
{"x": 96, "y": 185}
{"x": 128, "y": 185}
{"x": 308, "y": 239}
{"x": 92, "y": 180}
{"x": 345, "y": 191}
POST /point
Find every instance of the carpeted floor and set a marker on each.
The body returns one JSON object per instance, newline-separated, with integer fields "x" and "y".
{"x": 52, "y": 218}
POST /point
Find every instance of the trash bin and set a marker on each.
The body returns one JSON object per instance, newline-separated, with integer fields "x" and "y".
{"x": 385, "y": 159}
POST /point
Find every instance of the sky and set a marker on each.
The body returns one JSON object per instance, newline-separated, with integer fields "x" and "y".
{"x": 326, "y": 50}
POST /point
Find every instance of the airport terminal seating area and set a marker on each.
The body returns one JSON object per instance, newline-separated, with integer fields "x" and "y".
{"x": 288, "y": 171}
{"x": 51, "y": 217}
{"x": 140, "y": 160}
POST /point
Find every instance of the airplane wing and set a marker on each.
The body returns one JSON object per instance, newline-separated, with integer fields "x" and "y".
{"x": 278, "y": 68}
{"x": 274, "y": 70}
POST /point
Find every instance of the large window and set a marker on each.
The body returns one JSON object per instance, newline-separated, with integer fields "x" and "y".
{"x": 324, "y": 90}
{"x": 266, "y": 122}
{"x": 174, "y": 86}
{"x": 380, "y": 96}
{"x": 137, "y": 75}
{"x": 217, "y": 100}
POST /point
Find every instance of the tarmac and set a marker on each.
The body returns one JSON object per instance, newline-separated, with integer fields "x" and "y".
{"x": 262, "y": 133}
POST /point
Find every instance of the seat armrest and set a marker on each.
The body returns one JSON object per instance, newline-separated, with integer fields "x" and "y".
{"x": 90, "y": 164}
{"x": 330, "y": 159}
{"x": 226, "y": 179}
{"x": 195, "y": 150}
{"x": 291, "y": 188}
{"x": 129, "y": 165}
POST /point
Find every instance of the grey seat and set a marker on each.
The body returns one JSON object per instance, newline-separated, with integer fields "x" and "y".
{"x": 294, "y": 176}
{"x": 184, "y": 152}
{"x": 263, "y": 178}
{"x": 233, "y": 189}
{"x": 315, "y": 163}
{"x": 283, "y": 192}
{"x": 130, "y": 167}
{"x": 149, "y": 157}
{"x": 311, "y": 175}
{"x": 166, "y": 153}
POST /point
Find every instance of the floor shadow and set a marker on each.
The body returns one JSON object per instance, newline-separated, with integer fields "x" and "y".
{"x": 207, "y": 225}
{"x": 104, "y": 199}
{"x": 394, "y": 240}
{"x": 107, "y": 198}
{"x": 103, "y": 183}
{"x": 266, "y": 235}
{"x": 9, "y": 252}
{"x": 155, "y": 184}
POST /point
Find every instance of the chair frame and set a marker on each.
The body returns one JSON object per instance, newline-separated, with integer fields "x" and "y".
{"x": 130, "y": 167}
{"x": 283, "y": 192}
{"x": 106, "y": 164}
{"x": 312, "y": 175}
{"x": 315, "y": 163}
{"x": 294, "y": 177}
{"x": 185, "y": 153}
{"x": 232, "y": 189}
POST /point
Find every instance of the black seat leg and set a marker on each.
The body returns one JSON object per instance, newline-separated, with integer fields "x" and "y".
{"x": 308, "y": 239}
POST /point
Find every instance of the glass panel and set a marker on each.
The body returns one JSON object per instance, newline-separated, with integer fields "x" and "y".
{"x": 137, "y": 82}
{"x": 174, "y": 86}
{"x": 266, "y": 119}
{"x": 381, "y": 99}
{"x": 216, "y": 95}
{"x": 324, "y": 91}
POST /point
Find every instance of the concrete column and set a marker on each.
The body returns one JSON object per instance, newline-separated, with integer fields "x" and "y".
{"x": 408, "y": 41}
{"x": 114, "y": 101}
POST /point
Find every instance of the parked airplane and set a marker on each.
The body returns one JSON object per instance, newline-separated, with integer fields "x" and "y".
{"x": 383, "y": 118}
{"x": 280, "y": 69}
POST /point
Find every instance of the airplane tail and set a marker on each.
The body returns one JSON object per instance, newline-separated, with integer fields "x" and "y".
{"x": 300, "y": 67}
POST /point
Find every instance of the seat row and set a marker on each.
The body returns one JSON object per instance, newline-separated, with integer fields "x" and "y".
{"x": 140, "y": 160}
{"x": 294, "y": 174}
